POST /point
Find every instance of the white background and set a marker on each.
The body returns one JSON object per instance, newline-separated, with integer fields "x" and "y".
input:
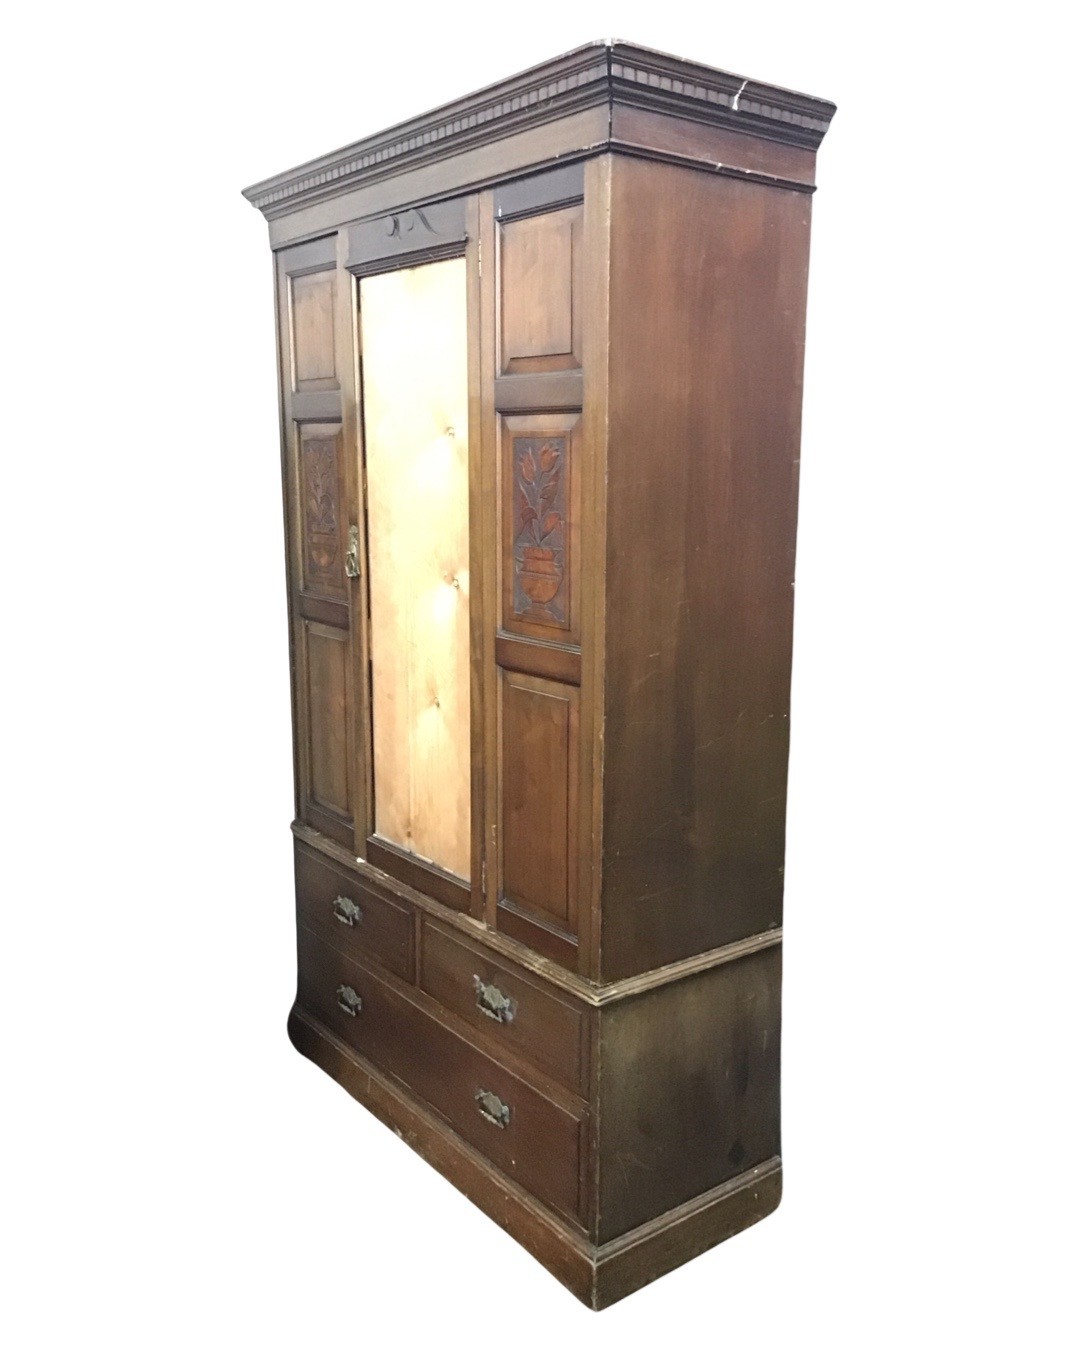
{"x": 174, "y": 1173}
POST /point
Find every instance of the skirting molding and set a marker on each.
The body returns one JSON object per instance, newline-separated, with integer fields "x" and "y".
{"x": 598, "y": 1275}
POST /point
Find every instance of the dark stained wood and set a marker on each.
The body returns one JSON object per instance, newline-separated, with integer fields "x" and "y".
{"x": 530, "y": 657}
{"x": 323, "y": 526}
{"x": 311, "y": 304}
{"x": 329, "y": 822}
{"x": 413, "y": 871}
{"x": 555, "y": 111}
{"x": 535, "y": 930}
{"x": 319, "y": 491}
{"x": 315, "y": 405}
{"x": 332, "y": 612}
{"x": 481, "y": 674}
{"x": 561, "y": 1247}
{"x": 537, "y": 1141}
{"x": 539, "y": 391}
{"x": 539, "y": 265}
{"x": 549, "y": 1031}
{"x": 689, "y": 1092}
{"x": 326, "y": 651}
{"x": 333, "y": 902}
{"x": 598, "y": 1275}
{"x": 541, "y": 526}
{"x": 701, "y": 513}
{"x": 585, "y": 1035}
{"x": 592, "y": 552}
{"x": 486, "y": 524}
{"x": 352, "y": 436}
{"x": 538, "y": 807}
{"x": 540, "y": 191}
{"x": 644, "y": 1254}
{"x": 556, "y": 976}
{"x": 314, "y": 255}
{"x": 409, "y": 237}
{"x": 659, "y": 135}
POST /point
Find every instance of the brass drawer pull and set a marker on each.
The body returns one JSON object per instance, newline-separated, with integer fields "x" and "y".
{"x": 492, "y": 1109}
{"x": 492, "y": 1002}
{"x": 352, "y": 553}
{"x": 347, "y": 911}
{"x": 349, "y": 1001}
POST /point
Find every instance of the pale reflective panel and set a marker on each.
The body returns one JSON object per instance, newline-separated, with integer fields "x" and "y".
{"x": 416, "y": 436}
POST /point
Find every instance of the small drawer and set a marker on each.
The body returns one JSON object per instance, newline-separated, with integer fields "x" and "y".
{"x": 528, "y": 1136}
{"x": 352, "y": 915}
{"x": 495, "y": 998}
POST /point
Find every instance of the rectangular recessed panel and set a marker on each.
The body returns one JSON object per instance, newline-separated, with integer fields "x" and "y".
{"x": 538, "y": 772}
{"x": 313, "y": 331}
{"x": 538, "y": 259}
{"x": 416, "y": 439}
{"x": 327, "y": 649}
{"x": 322, "y": 529}
{"x": 541, "y": 525}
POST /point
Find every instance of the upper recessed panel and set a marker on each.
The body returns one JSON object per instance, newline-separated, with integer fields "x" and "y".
{"x": 539, "y": 292}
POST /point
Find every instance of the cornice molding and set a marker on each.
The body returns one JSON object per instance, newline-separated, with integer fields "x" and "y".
{"x": 610, "y": 73}
{"x": 644, "y": 78}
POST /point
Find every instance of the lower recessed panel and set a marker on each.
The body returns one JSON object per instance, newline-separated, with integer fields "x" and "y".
{"x": 538, "y": 766}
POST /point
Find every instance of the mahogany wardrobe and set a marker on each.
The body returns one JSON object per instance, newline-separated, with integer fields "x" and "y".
{"x": 540, "y": 358}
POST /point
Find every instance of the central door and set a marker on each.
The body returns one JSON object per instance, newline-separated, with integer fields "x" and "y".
{"x": 414, "y": 343}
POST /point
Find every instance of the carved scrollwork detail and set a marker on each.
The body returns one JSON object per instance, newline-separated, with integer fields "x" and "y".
{"x": 401, "y": 223}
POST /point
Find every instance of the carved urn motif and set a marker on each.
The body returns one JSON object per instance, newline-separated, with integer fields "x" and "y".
{"x": 541, "y": 548}
{"x": 541, "y": 575}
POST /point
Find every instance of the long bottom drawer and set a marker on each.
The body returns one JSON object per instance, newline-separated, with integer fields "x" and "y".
{"x": 536, "y": 1141}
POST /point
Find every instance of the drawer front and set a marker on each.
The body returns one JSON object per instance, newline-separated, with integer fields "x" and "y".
{"x": 510, "y": 1008}
{"x": 532, "y": 1139}
{"x": 352, "y": 915}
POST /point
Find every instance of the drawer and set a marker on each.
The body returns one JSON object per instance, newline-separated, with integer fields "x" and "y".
{"x": 351, "y": 914}
{"x": 528, "y": 1136}
{"x": 511, "y": 1008}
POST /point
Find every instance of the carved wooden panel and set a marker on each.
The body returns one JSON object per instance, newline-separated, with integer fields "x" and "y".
{"x": 416, "y": 439}
{"x": 538, "y": 759}
{"x": 541, "y": 525}
{"x": 409, "y": 237}
{"x": 312, "y": 309}
{"x": 326, "y": 653}
{"x": 540, "y": 291}
{"x": 539, "y": 466}
{"x": 323, "y": 529}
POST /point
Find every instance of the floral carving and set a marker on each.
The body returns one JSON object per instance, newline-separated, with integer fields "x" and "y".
{"x": 540, "y": 529}
{"x": 320, "y": 507}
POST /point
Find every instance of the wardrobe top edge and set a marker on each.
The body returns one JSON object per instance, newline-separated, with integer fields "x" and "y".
{"x": 609, "y": 72}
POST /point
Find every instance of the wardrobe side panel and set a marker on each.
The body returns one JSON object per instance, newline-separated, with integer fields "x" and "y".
{"x": 689, "y": 1089}
{"x": 708, "y": 294}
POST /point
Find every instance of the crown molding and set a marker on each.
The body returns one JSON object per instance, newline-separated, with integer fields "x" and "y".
{"x": 611, "y": 73}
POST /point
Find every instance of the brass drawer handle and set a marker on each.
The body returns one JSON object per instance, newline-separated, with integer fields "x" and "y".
{"x": 347, "y": 911}
{"x": 349, "y": 1001}
{"x": 492, "y": 1002}
{"x": 492, "y": 1109}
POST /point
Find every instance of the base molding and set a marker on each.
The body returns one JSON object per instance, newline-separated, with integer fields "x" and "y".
{"x": 599, "y": 1276}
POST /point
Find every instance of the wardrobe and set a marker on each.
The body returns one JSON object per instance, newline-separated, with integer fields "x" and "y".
{"x": 540, "y": 357}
